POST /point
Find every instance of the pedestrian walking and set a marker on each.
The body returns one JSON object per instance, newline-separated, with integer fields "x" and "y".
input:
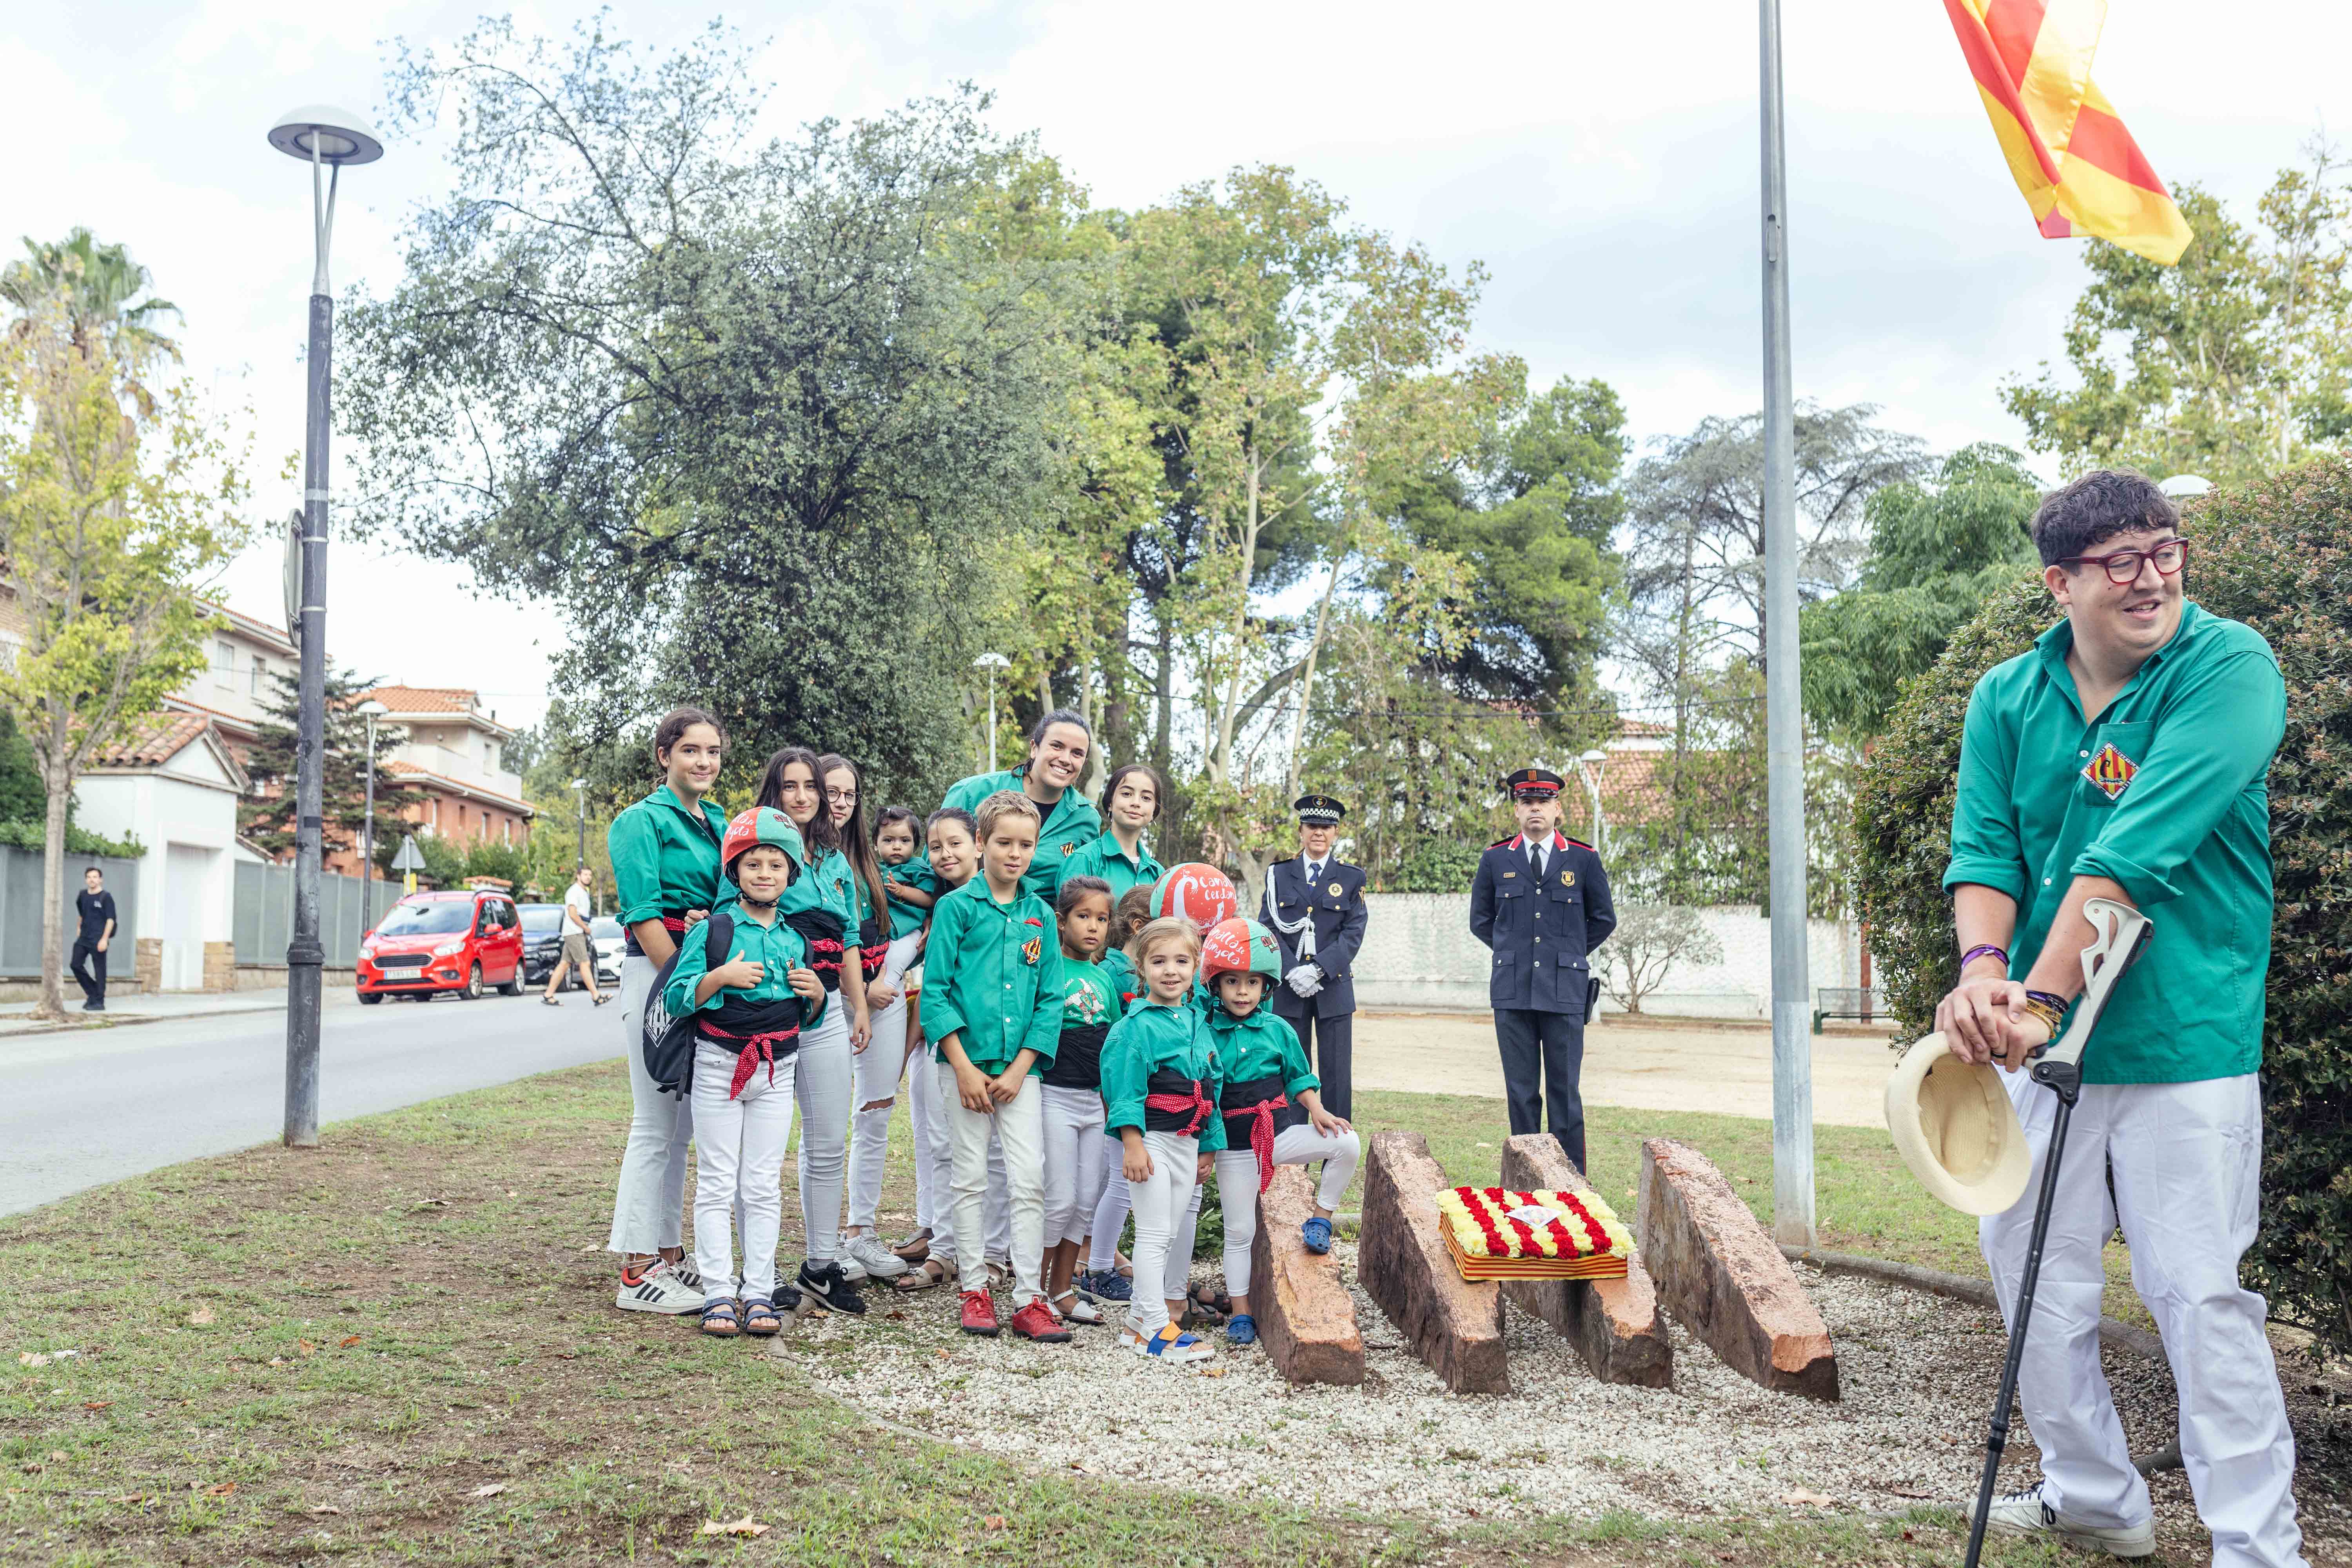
{"x": 578, "y": 952}
{"x": 95, "y": 906}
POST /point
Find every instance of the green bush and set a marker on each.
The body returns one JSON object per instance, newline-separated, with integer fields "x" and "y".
{"x": 1437, "y": 865}
{"x": 79, "y": 841}
{"x": 2274, "y": 554}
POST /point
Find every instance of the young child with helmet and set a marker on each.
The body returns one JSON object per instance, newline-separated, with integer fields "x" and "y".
{"x": 1270, "y": 1104}
{"x": 748, "y": 1012}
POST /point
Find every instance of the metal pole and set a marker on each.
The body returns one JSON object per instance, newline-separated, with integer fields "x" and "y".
{"x": 367, "y": 837}
{"x": 1784, "y": 718}
{"x": 305, "y": 957}
{"x": 992, "y": 721}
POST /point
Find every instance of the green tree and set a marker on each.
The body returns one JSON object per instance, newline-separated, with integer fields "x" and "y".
{"x": 267, "y": 815}
{"x": 117, "y": 507}
{"x": 97, "y": 284}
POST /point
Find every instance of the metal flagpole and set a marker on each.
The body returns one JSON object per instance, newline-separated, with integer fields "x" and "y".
{"x": 1792, "y": 1066}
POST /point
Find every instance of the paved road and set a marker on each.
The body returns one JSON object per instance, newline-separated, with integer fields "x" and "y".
{"x": 81, "y": 1109}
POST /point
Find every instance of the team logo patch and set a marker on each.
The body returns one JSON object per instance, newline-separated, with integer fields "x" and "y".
{"x": 1033, "y": 950}
{"x": 2110, "y": 771}
{"x": 1334, "y": 889}
{"x": 1567, "y": 878}
{"x": 1066, "y": 849}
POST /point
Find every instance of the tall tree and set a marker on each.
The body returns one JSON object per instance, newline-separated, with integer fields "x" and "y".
{"x": 97, "y": 284}
{"x": 267, "y": 816}
{"x": 118, "y": 506}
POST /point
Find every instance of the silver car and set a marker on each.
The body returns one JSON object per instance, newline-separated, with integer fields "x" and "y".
{"x": 604, "y": 935}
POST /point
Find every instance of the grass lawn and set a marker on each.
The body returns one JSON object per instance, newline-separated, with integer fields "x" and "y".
{"x": 401, "y": 1347}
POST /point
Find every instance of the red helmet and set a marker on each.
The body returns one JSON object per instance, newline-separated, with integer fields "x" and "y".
{"x": 1237, "y": 946}
{"x": 761, "y": 824}
{"x": 1202, "y": 894}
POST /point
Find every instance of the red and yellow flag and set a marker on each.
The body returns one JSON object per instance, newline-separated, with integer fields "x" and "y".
{"x": 2079, "y": 168}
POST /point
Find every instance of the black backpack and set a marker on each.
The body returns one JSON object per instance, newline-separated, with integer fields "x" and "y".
{"x": 668, "y": 1042}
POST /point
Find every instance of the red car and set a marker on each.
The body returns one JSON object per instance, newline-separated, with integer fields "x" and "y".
{"x": 444, "y": 941}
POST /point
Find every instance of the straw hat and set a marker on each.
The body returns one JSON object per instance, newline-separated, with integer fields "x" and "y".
{"x": 1955, "y": 1126}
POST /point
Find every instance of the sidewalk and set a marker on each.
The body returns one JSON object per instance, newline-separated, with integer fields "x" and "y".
{"x": 16, "y": 1018}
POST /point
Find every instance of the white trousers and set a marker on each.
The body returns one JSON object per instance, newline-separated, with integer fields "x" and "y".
{"x": 1111, "y": 1210}
{"x": 874, "y": 1078}
{"x": 649, "y": 1205}
{"x": 1237, "y": 1186}
{"x": 1074, "y": 1168}
{"x": 1166, "y": 1208}
{"x": 1018, "y": 1128}
{"x": 822, "y": 1078}
{"x": 2186, "y": 1162}
{"x": 738, "y": 1165}
{"x": 930, "y": 1142}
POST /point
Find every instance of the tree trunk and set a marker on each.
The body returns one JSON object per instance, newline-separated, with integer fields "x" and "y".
{"x": 52, "y": 1005}
{"x": 1307, "y": 679}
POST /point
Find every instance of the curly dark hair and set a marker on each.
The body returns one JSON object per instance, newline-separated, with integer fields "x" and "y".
{"x": 2095, "y": 509}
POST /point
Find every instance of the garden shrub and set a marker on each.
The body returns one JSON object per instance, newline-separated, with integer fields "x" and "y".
{"x": 2276, "y": 554}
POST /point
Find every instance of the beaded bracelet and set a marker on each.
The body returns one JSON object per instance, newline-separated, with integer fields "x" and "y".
{"x": 1982, "y": 949}
{"x": 2048, "y": 1008}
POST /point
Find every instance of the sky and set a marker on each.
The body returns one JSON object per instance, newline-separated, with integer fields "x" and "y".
{"x": 1599, "y": 160}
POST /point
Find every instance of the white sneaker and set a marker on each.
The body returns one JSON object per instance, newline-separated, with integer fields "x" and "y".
{"x": 658, "y": 1289}
{"x": 2024, "y": 1513}
{"x": 869, "y": 1259}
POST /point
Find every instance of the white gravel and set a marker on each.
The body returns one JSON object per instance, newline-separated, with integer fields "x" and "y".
{"x": 1917, "y": 1374}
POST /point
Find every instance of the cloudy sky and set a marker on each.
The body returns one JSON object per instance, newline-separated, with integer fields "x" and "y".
{"x": 1599, "y": 159}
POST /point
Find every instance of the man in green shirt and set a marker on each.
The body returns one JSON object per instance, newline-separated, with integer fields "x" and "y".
{"x": 2124, "y": 756}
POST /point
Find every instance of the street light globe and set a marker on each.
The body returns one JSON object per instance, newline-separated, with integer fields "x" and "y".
{"x": 373, "y": 708}
{"x": 990, "y": 661}
{"x": 337, "y": 135}
{"x": 579, "y": 783}
{"x": 2180, "y": 487}
{"x": 1595, "y": 755}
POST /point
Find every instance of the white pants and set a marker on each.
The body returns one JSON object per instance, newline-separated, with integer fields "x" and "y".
{"x": 2186, "y": 1160}
{"x": 1110, "y": 1211}
{"x": 996, "y": 1208}
{"x": 649, "y": 1205}
{"x": 1237, "y": 1186}
{"x": 1018, "y": 1128}
{"x": 932, "y": 1176}
{"x": 820, "y": 1084}
{"x": 738, "y": 1167}
{"x": 875, "y": 1078}
{"x": 1167, "y": 1210}
{"x": 1074, "y": 1168}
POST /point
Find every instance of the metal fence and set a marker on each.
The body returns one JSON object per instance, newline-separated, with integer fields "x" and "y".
{"x": 20, "y": 909}
{"x": 262, "y": 922}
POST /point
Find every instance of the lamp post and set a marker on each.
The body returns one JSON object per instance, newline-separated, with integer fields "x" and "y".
{"x": 1588, "y": 768}
{"x": 326, "y": 139}
{"x": 373, "y": 710}
{"x": 990, "y": 662}
{"x": 580, "y": 802}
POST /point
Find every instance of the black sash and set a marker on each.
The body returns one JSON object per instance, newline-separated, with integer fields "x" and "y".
{"x": 1168, "y": 1080}
{"x": 1077, "y": 1060}
{"x": 1238, "y": 1104}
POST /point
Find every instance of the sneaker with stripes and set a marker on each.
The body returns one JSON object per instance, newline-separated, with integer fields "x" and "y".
{"x": 658, "y": 1289}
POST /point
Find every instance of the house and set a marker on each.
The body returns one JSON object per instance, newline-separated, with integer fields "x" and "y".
{"x": 238, "y": 685}
{"x": 452, "y": 753}
{"x": 172, "y": 781}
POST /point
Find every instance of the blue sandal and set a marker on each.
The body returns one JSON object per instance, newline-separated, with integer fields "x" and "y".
{"x": 720, "y": 1320}
{"x": 1242, "y": 1330}
{"x": 1316, "y": 1233}
{"x": 760, "y": 1319}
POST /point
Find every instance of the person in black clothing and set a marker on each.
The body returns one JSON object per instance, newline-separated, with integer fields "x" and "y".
{"x": 95, "y": 905}
{"x": 1314, "y": 904}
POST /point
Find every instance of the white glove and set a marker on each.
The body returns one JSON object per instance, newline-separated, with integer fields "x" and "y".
{"x": 1307, "y": 979}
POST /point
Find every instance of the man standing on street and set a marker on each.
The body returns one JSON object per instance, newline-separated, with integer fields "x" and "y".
{"x": 95, "y": 906}
{"x": 1541, "y": 902}
{"x": 1314, "y": 905}
{"x": 578, "y": 951}
{"x": 2127, "y": 756}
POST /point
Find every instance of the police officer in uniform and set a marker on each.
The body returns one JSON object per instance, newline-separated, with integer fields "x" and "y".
{"x": 1314, "y": 905}
{"x": 1541, "y": 902}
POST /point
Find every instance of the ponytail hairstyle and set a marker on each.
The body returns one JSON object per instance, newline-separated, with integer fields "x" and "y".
{"x": 1150, "y": 775}
{"x": 819, "y": 834}
{"x": 1047, "y": 719}
{"x": 856, "y": 843}
{"x": 673, "y": 728}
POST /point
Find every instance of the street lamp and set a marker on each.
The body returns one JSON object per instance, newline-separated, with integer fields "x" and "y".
{"x": 326, "y": 139}
{"x": 373, "y": 710}
{"x": 1588, "y": 768}
{"x": 579, "y": 799}
{"x": 990, "y": 662}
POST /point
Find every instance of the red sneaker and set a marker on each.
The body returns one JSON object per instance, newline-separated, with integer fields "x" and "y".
{"x": 1037, "y": 1322}
{"x": 979, "y": 1313}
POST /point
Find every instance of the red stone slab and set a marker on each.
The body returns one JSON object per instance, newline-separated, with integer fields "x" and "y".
{"x": 1306, "y": 1318}
{"x": 1614, "y": 1324}
{"x": 1452, "y": 1324}
{"x": 1723, "y": 1278}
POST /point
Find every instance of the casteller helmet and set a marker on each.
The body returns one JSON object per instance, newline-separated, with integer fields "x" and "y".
{"x": 1237, "y": 946}
{"x": 761, "y": 824}
{"x": 1202, "y": 894}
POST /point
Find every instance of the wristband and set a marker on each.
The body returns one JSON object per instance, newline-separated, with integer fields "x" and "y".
{"x": 1982, "y": 949}
{"x": 2048, "y": 1007}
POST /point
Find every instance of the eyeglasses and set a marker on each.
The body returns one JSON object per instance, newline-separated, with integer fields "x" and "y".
{"x": 2123, "y": 567}
{"x": 841, "y": 796}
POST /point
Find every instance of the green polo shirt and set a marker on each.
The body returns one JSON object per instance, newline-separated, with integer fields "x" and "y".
{"x": 1103, "y": 858}
{"x": 2166, "y": 793}
{"x": 1260, "y": 1044}
{"x": 1151, "y": 1038}
{"x": 1070, "y": 825}
{"x": 775, "y": 946}
{"x": 992, "y": 972}
{"x": 662, "y": 862}
{"x": 906, "y": 919}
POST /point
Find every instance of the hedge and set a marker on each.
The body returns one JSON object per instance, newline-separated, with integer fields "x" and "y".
{"x": 79, "y": 840}
{"x": 2275, "y": 555}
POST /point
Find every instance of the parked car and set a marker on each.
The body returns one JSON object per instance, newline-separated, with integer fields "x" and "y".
{"x": 542, "y": 940}
{"x": 604, "y": 935}
{"x": 455, "y": 941}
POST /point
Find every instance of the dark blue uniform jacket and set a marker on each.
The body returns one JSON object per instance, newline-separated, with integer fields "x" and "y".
{"x": 1543, "y": 937}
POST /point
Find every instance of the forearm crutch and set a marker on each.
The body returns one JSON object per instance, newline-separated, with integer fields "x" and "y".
{"x": 2123, "y": 932}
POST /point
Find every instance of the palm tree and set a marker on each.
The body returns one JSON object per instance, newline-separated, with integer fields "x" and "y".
{"x": 98, "y": 283}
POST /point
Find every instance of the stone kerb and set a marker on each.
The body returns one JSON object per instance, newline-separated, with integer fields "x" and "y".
{"x": 1306, "y": 1318}
{"x": 1452, "y": 1324}
{"x": 1614, "y": 1324}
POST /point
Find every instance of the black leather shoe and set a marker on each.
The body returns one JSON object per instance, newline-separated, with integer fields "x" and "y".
{"x": 828, "y": 1291}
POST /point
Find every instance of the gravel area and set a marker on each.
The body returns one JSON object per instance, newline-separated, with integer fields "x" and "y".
{"x": 1917, "y": 1374}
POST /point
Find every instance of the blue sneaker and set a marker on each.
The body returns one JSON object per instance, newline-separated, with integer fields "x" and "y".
{"x": 1317, "y": 1232}
{"x": 1242, "y": 1329}
{"x": 1109, "y": 1285}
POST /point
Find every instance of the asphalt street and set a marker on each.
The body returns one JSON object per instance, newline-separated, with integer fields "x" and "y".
{"x": 84, "y": 1108}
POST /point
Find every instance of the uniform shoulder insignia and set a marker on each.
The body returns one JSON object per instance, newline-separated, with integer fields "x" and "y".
{"x": 1579, "y": 844}
{"x": 1500, "y": 842}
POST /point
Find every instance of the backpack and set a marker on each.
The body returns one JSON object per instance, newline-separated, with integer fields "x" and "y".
{"x": 668, "y": 1041}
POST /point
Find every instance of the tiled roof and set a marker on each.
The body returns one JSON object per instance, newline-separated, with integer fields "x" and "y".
{"x": 428, "y": 780}
{"x": 152, "y": 740}
{"x": 425, "y": 698}
{"x": 255, "y": 627}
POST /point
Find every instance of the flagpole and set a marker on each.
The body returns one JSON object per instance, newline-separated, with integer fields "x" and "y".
{"x": 1792, "y": 1066}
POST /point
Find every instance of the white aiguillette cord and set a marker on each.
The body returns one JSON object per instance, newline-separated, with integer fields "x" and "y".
{"x": 1303, "y": 928}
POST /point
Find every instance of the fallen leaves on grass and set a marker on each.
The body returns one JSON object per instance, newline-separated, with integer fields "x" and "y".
{"x": 493, "y": 1489}
{"x": 326, "y": 1508}
{"x": 1801, "y": 1497}
{"x": 304, "y": 1346}
{"x": 1213, "y": 1372}
{"x": 746, "y": 1525}
{"x": 96, "y": 1403}
{"x": 201, "y": 1316}
{"x": 993, "y": 1522}
{"x": 347, "y": 1342}
{"x": 221, "y": 1490}
{"x": 32, "y": 1358}
{"x": 944, "y": 1355}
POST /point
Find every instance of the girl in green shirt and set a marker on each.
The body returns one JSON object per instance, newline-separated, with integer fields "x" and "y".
{"x": 1131, "y": 803}
{"x": 1070, "y": 1094}
{"x": 1107, "y": 1274}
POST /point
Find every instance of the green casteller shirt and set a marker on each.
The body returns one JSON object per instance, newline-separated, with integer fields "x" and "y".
{"x": 663, "y": 863}
{"x": 1103, "y": 858}
{"x": 993, "y": 972}
{"x": 1261, "y": 1043}
{"x": 905, "y": 919}
{"x": 2168, "y": 794}
{"x": 1148, "y": 1039}
{"x": 777, "y": 946}
{"x": 1070, "y": 825}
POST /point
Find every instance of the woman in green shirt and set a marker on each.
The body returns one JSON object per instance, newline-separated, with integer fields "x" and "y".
{"x": 1131, "y": 803}
{"x": 1059, "y": 745}
{"x": 665, "y": 872}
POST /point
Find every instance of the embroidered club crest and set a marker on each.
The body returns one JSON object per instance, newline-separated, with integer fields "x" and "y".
{"x": 2110, "y": 771}
{"x": 1067, "y": 849}
{"x": 1567, "y": 878}
{"x": 1033, "y": 950}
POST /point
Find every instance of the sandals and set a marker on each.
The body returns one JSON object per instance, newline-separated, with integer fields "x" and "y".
{"x": 551, "y": 1002}
{"x": 720, "y": 1319}
{"x": 928, "y": 1275}
{"x": 604, "y": 997}
{"x": 1073, "y": 1308}
{"x": 1214, "y": 1306}
{"x": 915, "y": 1248}
{"x": 760, "y": 1319}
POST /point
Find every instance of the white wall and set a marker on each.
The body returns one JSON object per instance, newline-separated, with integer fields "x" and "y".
{"x": 188, "y": 898}
{"x": 1418, "y": 953}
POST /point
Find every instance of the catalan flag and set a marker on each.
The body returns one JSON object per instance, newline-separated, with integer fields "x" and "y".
{"x": 2079, "y": 168}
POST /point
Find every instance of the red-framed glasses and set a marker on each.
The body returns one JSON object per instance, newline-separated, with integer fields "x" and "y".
{"x": 2123, "y": 567}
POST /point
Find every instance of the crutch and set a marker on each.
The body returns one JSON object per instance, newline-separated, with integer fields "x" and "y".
{"x": 2123, "y": 932}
